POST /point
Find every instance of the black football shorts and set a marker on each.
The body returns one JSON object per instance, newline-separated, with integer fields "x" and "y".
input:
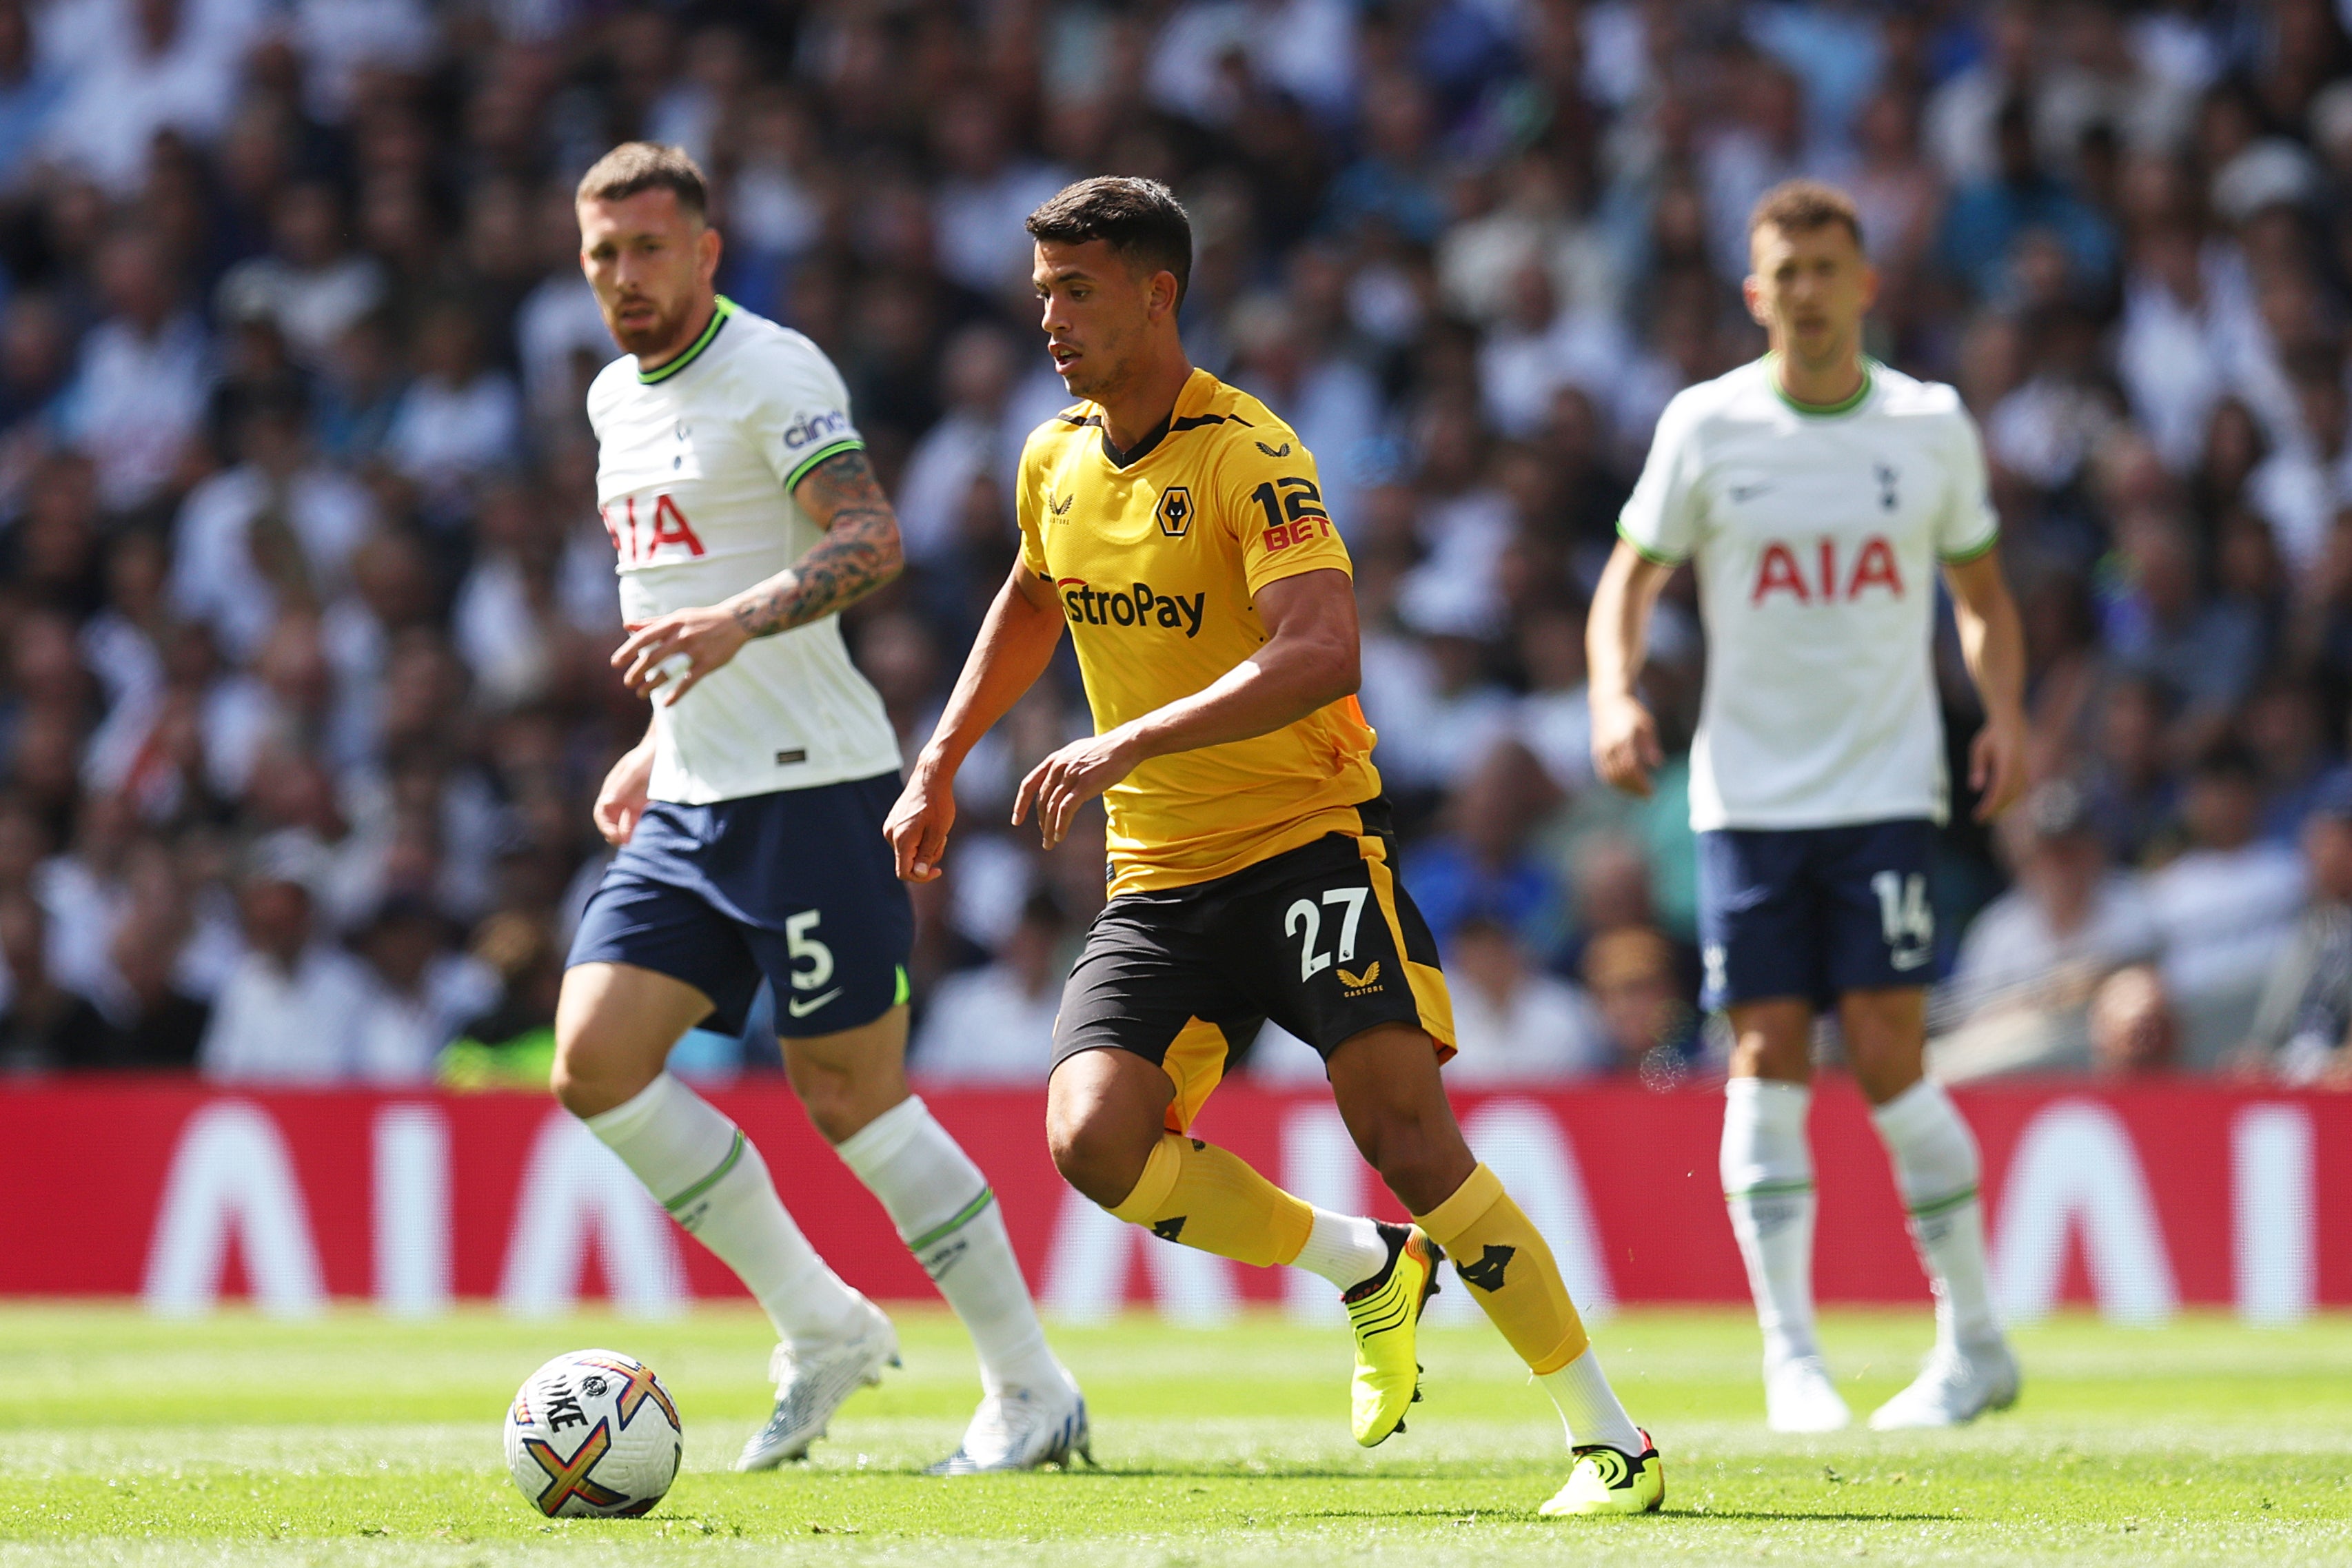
{"x": 1322, "y": 939}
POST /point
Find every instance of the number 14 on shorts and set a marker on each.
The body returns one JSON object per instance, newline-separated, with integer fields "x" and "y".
{"x": 1904, "y": 918}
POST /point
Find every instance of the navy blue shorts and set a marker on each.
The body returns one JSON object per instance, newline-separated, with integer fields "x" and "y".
{"x": 1814, "y": 912}
{"x": 797, "y": 887}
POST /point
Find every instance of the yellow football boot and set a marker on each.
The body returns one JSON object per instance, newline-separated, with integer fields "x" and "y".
{"x": 1385, "y": 1312}
{"x": 1606, "y": 1480}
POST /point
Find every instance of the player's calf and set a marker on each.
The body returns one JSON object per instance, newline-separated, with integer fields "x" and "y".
{"x": 1385, "y": 1081}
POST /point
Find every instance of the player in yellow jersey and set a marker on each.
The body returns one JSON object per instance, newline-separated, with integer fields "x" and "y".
{"x": 1174, "y": 525}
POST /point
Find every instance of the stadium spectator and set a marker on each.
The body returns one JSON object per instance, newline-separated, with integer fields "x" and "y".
{"x": 44, "y": 1027}
{"x": 422, "y": 994}
{"x": 276, "y": 531}
{"x": 2019, "y": 199}
{"x": 996, "y": 1024}
{"x": 2302, "y": 1030}
{"x": 459, "y": 418}
{"x": 978, "y": 438}
{"x": 1555, "y": 715}
{"x": 310, "y": 285}
{"x": 162, "y": 66}
{"x": 1515, "y": 1023}
{"x": 2225, "y": 905}
{"x": 2019, "y": 993}
{"x": 295, "y": 1007}
{"x": 1483, "y": 864}
{"x": 2069, "y": 919}
{"x": 511, "y": 1043}
{"x": 164, "y": 1025}
{"x": 1643, "y": 1000}
{"x": 137, "y": 400}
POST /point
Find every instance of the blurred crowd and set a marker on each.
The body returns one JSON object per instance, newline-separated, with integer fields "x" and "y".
{"x": 308, "y": 607}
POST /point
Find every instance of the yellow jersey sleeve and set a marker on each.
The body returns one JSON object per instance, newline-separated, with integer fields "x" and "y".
{"x": 1028, "y": 506}
{"x": 1272, "y": 495}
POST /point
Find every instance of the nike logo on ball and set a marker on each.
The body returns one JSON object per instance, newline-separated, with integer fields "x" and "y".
{"x": 801, "y": 1009}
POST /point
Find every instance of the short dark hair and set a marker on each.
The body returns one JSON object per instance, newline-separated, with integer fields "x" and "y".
{"x": 1799, "y": 207}
{"x": 1141, "y": 220}
{"x": 635, "y": 167}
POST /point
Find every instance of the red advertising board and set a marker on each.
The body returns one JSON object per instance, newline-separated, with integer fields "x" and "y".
{"x": 2139, "y": 1199}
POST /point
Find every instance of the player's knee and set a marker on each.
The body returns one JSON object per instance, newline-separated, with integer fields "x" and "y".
{"x": 1760, "y": 1055}
{"x": 837, "y": 1108}
{"x": 574, "y": 1090}
{"x": 586, "y": 1083}
{"x": 1102, "y": 1161}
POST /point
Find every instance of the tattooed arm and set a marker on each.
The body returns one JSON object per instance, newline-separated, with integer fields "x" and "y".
{"x": 858, "y": 554}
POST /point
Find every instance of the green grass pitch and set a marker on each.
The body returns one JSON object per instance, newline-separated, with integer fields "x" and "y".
{"x": 351, "y": 1440}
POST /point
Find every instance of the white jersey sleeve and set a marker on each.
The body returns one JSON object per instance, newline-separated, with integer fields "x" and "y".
{"x": 1968, "y": 526}
{"x": 795, "y": 405}
{"x": 1663, "y": 516}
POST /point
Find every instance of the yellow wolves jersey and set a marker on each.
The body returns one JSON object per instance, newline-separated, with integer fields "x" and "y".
{"x": 1157, "y": 555}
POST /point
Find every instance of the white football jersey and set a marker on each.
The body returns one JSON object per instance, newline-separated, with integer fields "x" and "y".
{"x": 695, "y": 469}
{"x": 1816, "y": 535}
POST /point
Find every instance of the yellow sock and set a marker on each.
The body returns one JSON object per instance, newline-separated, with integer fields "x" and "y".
{"x": 1199, "y": 1195}
{"x": 1509, "y": 1270}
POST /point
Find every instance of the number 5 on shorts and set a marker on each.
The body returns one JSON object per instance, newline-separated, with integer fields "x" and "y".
{"x": 1304, "y": 914}
{"x": 800, "y": 944}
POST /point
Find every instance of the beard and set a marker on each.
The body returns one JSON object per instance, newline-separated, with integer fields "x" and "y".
{"x": 648, "y": 334}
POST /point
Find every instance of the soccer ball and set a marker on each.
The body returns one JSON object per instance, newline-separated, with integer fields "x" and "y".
{"x": 594, "y": 1434}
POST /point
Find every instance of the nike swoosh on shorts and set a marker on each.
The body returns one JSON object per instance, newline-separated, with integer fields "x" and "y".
{"x": 801, "y": 1009}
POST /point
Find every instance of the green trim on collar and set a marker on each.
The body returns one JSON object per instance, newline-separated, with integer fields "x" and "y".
{"x": 1645, "y": 551}
{"x": 1823, "y": 410}
{"x": 830, "y": 449}
{"x": 726, "y": 308}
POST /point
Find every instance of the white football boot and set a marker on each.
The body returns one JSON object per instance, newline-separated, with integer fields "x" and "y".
{"x": 1958, "y": 1383}
{"x": 811, "y": 1385}
{"x": 1023, "y": 1429}
{"x": 1799, "y": 1397}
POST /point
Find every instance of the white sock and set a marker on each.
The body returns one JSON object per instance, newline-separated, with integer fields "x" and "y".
{"x": 948, "y": 1216}
{"x": 701, "y": 1166}
{"x": 1589, "y": 1407}
{"x": 1345, "y": 1248}
{"x": 1767, "y": 1185}
{"x": 1936, "y": 1169}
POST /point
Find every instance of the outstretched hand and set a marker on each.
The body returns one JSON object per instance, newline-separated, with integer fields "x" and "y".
{"x": 702, "y": 638}
{"x": 1625, "y": 745}
{"x": 1996, "y": 767}
{"x": 1069, "y": 780}
{"x": 918, "y": 825}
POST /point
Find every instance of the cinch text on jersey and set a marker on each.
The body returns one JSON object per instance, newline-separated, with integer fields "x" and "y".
{"x": 1778, "y": 572}
{"x": 1134, "y": 606}
{"x": 807, "y": 429}
{"x": 635, "y": 546}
